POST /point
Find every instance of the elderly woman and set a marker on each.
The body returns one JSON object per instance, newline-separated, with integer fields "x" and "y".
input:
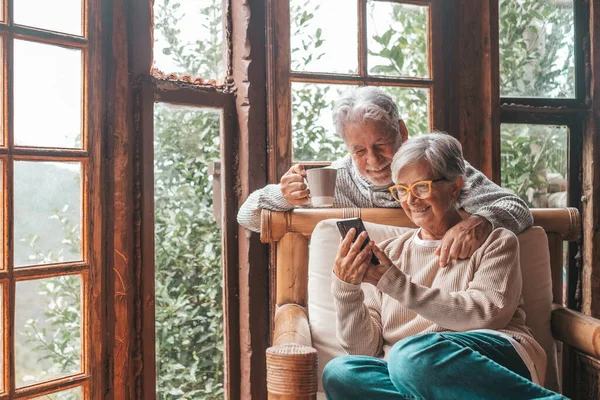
{"x": 368, "y": 121}
{"x": 447, "y": 333}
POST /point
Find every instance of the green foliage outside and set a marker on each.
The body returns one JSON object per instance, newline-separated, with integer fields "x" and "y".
{"x": 200, "y": 56}
{"x": 401, "y": 50}
{"x": 312, "y": 140}
{"x": 53, "y": 342}
{"x": 530, "y": 153}
{"x": 536, "y": 49}
{"x": 189, "y": 308}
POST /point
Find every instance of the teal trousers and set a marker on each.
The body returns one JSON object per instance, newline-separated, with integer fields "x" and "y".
{"x": 444, "y": 366}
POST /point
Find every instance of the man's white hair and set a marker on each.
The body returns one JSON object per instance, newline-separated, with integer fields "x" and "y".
{"x": 366, "y": 104}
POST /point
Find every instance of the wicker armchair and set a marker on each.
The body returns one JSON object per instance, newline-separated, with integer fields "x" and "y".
{"x": 292, "y": 361}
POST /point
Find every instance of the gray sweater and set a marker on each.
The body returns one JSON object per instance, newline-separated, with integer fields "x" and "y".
{"x": 481, "y": 197}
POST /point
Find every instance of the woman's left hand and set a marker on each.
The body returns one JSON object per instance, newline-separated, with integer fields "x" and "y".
{"x": 375, "y": 272}
{"x": 351, "y": 262}
{"x": 463, "y": 239}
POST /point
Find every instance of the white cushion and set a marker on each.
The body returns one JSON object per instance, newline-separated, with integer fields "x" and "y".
{"x": 537, "y": 294}
{"x": 321, "y": 312}
{"x": 537, "y": 289}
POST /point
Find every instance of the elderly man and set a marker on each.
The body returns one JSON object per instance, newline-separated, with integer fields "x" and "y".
{"x": 367, "y": 119}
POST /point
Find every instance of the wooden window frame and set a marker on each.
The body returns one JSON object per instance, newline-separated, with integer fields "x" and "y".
{"x": 568, "y": 112}
{"x": 91, "y": 378}
{"x": 184, "y": 94}
{"x": 172, "y": 89}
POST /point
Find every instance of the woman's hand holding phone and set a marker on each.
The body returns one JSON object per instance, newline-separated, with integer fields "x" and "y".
{"x": 373, "y": 274}
{"x": 358, "y": 255}
{"x": 351, "y": 262}
{"x": 344, "y": 225}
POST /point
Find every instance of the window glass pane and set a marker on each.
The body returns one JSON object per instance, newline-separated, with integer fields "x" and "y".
{"x": 536, "y": 48}
{"x": 56, "y": 15}
{"x": 47, "y": 211}
{"x": 413, "y": 107}
{"x": 189, "y": 274}
{"x": 47, "y": 329}
{"x": 314, "y": 136}
{"x": 53, "y": 117}
{"x": 534, "y": 163}
{"x": 188, "y": 38}
{"x": 324, "y": 36}
{"x": 397, "y": 39}
{"x": 71, "y": 394}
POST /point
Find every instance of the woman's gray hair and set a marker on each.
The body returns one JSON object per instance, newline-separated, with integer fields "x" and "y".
{"x": 442, "y": 152}
{"x": 366, "y": 104}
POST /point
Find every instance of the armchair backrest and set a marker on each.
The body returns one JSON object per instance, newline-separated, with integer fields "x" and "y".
{"x": 290, "y": 233}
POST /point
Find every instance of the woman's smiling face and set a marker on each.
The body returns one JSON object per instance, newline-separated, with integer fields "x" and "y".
{"x": 432, "y": 214}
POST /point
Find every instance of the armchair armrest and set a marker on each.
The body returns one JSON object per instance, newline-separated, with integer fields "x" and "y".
{"x": 576, "y": 330}
{"x": 292, "y": 363}
{"x": 291, "y": 326}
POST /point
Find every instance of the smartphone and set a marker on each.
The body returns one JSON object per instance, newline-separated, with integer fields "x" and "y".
{"x": 344, "y": 225}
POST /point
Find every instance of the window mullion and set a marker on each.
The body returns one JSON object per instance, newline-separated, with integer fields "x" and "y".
{"x": 362, "y": 39}
{"x": 315, "y": 77}
{"x": 8, "y": 310}
{"x": 279, "y": 89}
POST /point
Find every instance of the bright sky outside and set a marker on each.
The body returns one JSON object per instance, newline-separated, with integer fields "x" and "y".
{"x": 51, "y": 117}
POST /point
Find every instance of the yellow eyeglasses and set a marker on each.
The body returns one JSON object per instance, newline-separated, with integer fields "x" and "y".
{"x": 421, "y": 190}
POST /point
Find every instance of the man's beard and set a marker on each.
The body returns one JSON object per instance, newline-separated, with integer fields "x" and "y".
{"x": 376, "y": 177}
{"x": 379, "y": 167}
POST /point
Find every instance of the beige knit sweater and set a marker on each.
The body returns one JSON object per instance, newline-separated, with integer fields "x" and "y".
{"x": 482, "y": 292}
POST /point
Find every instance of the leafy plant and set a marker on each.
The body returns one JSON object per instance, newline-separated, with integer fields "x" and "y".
{"x": 311, "y": 140}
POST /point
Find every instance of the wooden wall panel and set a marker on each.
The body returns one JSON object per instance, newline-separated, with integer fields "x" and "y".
{"x": 142, "y": 334}
{"x": 97, "y": 284}
{"x": 478, "y": 92}
{"x": 586, "y": 374}
{"x": 591, "y": 174}
{"x": 120, "y": 242}
{"x": 248, "y": 64}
